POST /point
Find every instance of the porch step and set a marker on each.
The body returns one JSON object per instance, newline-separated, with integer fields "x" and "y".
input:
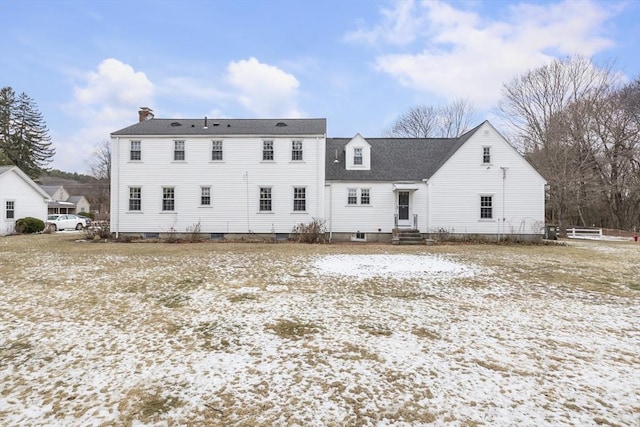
{"x": 407, "y": 237}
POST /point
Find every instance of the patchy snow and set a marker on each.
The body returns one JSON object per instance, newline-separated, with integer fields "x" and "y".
{"x": 391, "y": 266}
{"x": 381, "y": 339}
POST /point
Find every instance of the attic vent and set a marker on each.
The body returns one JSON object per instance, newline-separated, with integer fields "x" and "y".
{"x": 281, "y": 124}
{"x": 216, "y": 124}
{"x": 175, "y": 124}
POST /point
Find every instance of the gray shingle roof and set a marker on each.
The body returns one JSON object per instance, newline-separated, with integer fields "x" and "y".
{"x": 395, "y": 159}
{"x": 224, "y": 127}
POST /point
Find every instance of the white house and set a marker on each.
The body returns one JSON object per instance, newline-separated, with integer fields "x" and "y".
{"x": 20, "y": 197}
{"x": 223, "y": 177}
{"x": 232, "y": 178}
{"x": 477, "y": 184}
{"x": 63, "y": 203}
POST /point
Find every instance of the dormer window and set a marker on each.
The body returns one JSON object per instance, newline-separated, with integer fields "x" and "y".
{"x": 357, "y": 156}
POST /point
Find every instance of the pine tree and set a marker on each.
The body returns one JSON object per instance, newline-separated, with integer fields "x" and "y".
{"x": 24, "y": 138}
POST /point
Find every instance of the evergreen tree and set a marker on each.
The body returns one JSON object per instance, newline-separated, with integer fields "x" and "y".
{"x": 24, "y": 137}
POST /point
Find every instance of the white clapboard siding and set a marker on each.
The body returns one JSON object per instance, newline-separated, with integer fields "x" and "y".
{"x": 378, "y": 216}
{"x": 455, "y": 189}
{"x": 28, "y": 201}
{"x": 235, "y": 185}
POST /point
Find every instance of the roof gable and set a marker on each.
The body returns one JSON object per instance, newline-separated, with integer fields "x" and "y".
{"x": 25, "y": 177}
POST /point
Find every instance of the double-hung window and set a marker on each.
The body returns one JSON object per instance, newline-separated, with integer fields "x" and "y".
{"x": 364, "y": 196}
{"x": 205, "y": 196}
{"x": 178, "y": 150}
{"x": 267, "y": 150}
{"x": 296, "y": 150}
{"x": 357, "y": 156}
{"x": 352, "y": 197}
{"x": 216, "y": 150}
{"x": 168, "y": 199}
{"x": 486, "y": 207}
{"x": 135, "y": 198}
{"x": 136, "y": 151}
{"x": 299, "y": 199}
{"x": 265, "y": 199}
{"x": 486, "y": 155}
{"x": 10, "y": 209}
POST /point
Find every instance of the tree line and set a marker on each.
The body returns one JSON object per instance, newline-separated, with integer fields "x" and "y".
{"x": 577, "y": 123}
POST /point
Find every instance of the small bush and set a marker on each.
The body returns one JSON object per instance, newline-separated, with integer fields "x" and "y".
{"x": 29, "y": 225}
{"x": 313, "y": 232}
{"x": 89, "y": 215}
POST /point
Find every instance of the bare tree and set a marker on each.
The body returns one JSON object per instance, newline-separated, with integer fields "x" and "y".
{"x": 418, "y": 122}
{"x": 546, "y": 107}
{"x": 100, "y": 161}
{"x": 100, "y": 168}
{"x": 427, "y": 121}
{"x": 456, "y": 118}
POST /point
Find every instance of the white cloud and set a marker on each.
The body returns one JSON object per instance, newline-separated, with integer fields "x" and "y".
{"x": 264, "y": 89}
{"x": 106, "y": 100}
{"x": 456, "y": 53}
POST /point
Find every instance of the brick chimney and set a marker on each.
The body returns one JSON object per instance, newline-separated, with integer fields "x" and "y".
{"x": 145, "y": 113}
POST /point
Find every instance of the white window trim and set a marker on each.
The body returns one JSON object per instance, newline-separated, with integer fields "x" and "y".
{"x": 273, "y": 152}
{"x": 493, "y": 207}
{"x": 184, "y": 150}
{"x": 162, "y": 210}
{"x": 211, "y": 160}
{"x": 129, "y": 199}
{"x": 358, "y": 197}
{"x": 490, "y": 162}
{"x": 301, "y": 160}
{"x": 293, "y": 199}
{"x": 270, "y": 211}
{"x": 131, "y": 150}
{"x": 210, "y": 205}
{"x": 5, "y": 210}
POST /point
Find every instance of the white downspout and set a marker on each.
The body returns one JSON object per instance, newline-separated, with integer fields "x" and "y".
{"x": 116, "y": 154}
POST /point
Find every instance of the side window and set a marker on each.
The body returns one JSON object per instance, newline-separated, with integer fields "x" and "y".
{"x": 296, "y": 150}
{"x": 265, "y": 199}
{"x": 135, "y": 198}
{"x": 136, "y": 151}
{"x": 299, "y": 199}
{"x": 178, "y": 150}
{"x": 10, "y": 209}
{"x": 486, "y": 155}
{"x": 364, "y": 196}
{"x": 216, "y": 150}
{"x": 168, "y": 199}
{"x": 267, "y": 150}
{"x": 486, "y": 207}
{"x": 205, "y": 196}
{"x": 352, "y": 197}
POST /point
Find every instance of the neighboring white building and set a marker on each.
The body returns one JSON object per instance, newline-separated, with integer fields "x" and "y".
{"x": 63, "y": 203}
{"x": 225, "y": 177}
{"x": 20, "y": 197}
{"x": 477, "y": 184}
{"x": 232, "y": 178}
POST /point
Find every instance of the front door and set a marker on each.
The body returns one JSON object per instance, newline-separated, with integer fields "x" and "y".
{"x": 403, "y": 209}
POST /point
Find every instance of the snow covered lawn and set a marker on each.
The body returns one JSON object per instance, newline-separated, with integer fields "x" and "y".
{"x": 316, "y": 335}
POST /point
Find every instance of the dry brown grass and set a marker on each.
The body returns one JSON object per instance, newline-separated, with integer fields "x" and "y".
{"x": 154, "y": 290}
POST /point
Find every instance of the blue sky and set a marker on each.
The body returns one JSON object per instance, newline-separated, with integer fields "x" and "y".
{"x": 89, "y": 65}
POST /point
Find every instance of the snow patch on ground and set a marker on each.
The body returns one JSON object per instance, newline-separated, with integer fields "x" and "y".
{"x": 391, "y": 266}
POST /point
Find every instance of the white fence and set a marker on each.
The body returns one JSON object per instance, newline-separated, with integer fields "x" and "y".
{"x": 587, "y": 233}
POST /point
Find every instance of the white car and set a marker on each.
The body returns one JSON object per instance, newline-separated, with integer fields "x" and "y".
{"x": 66, "y": 222}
